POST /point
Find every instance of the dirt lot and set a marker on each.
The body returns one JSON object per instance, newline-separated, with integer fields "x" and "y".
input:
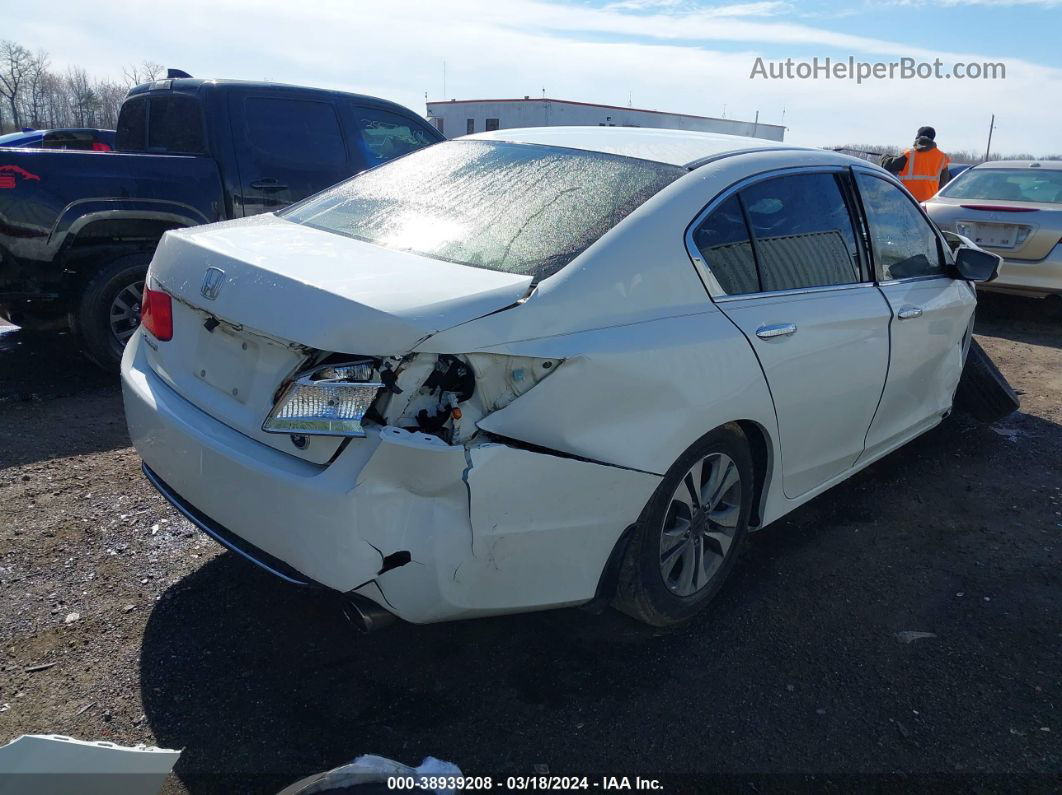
{"x": 797, "y": 675}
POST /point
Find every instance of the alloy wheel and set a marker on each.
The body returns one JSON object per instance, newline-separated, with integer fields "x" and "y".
{"x": 700, "y": 524}
{"x": 124, "y": 315}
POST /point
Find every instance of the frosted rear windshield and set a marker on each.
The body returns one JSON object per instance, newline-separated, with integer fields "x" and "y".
{"x": 518, "y": 208}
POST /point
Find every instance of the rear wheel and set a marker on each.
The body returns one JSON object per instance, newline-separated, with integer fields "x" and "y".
{"x": 690, "y": 533}
{"x": 108, "y": 312}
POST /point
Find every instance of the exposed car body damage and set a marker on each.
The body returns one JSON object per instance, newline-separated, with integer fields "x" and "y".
{"x": 450, "y": 440}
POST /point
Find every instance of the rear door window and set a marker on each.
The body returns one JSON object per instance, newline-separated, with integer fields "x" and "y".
{"x": 385, "y": 135}
{"x": 905, "y": 245}
{"x": 802, "y": 232}
{"x": 783, "y": 233}
{"x": 175, "y": 124}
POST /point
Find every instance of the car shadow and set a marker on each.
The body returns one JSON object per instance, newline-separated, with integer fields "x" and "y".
{"x": 1037, "y": 321}
{"x": 261, "y": 683}
{"x": 54, "y": 402}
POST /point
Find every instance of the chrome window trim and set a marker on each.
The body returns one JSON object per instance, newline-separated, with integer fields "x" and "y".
{"x": 711, "y": 284}
{"x": 908, "y": 279}
{"x": 828, "y": 288}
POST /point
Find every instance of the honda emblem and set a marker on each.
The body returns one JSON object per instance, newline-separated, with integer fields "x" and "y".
{"x": 212, "y": 281}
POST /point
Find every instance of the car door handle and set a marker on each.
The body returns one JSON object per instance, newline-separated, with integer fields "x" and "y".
{"x": 268, "y": 184}
{"x": 907, "y": 312}
{"x": 776, "y": 330}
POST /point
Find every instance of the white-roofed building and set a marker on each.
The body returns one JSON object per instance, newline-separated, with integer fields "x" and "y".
{"x": 458, "y": 117}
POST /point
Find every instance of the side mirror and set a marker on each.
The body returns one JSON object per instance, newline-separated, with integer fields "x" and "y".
{"x": 976, "y": 265}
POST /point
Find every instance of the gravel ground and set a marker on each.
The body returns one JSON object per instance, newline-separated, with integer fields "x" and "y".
{"x": 796, "y": 677}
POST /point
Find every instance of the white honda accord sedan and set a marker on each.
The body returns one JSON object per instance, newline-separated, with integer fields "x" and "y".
{"x": 531, "y": 368}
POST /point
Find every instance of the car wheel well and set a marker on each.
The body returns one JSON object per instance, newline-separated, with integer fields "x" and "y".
{"x": 101, "y": 242}
{"x": 760, "y": 448}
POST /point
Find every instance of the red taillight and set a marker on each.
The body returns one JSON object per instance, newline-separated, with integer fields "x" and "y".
{"x": 998, "y": 208}
{"x": 156, "y": 314}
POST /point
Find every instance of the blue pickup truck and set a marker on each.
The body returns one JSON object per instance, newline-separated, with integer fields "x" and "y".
{"x": 78, "y": 229}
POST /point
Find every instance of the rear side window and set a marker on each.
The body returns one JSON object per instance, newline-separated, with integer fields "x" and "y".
{"x": 724, "y": 243}
{"x": 294, "y": 131}
{"x": 387, "y": 135}
{"x": 164, "y": 123}
{"x": 905, "y": 245}
{"x": 784, "y": 233}
{"x": 131, "y": 135}
{"x": 175, "y": 124}
{"x": 507, "y": 207}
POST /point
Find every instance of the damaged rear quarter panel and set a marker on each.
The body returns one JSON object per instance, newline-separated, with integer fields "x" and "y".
{"x": 538, "y": 531}
{"x": 637, "y": 396}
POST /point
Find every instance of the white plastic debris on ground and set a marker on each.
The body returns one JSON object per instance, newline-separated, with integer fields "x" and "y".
{"x": 370, "y": 769}
{"x": 47, "y": 764}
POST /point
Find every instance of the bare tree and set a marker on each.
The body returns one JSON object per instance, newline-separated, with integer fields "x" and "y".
{"x": 36, "y": 88}
{"x": 110, "y": 96}
{"x": 14, "y": 67}
{"x": 82, "y": 100}
{"x": 144, "y": 72}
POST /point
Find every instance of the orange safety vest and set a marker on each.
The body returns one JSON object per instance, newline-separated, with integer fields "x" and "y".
{"x": 921, "y": 174}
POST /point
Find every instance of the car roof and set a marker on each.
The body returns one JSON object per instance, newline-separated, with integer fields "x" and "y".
{"x": 1048, "y": 164}
{"x": 677, "y": 147}
{"x": 195, "y": 84}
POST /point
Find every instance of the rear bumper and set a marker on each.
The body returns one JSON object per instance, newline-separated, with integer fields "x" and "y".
{"x": 489, "y": 529}
{"x": 1030, "y": 277}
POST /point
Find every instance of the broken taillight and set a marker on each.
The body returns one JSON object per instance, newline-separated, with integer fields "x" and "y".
{"x": 156, "y": 313}
{"x": 329, "y": 400}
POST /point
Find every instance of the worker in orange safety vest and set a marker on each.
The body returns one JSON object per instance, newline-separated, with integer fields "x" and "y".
{"x": 923, "y": 169}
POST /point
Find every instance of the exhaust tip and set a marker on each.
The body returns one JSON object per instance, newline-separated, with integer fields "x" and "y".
{"x": 365, "y": 615}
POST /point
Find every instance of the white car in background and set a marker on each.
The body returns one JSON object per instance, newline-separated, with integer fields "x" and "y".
{"x": 529, "y": 368}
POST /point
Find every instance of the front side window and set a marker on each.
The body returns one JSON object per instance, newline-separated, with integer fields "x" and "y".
{"x": 387, "y": 135}
{"x": 294, "y": 131}
{"x": 905, "y": 245}
{"x": 503, "y": 206}
{"x": 783, "y": 233}
{"x": 1008, "y": 184}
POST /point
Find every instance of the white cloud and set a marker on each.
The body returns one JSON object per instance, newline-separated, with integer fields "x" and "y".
{"x": 578, "y": 52}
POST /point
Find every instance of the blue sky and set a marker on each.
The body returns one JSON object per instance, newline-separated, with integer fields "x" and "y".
{"x": 678, "y": 55}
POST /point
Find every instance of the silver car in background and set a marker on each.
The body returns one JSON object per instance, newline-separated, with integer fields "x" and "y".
{"x": 1012, "y": 208}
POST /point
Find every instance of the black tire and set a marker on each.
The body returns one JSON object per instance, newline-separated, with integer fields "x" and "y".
{"x": 93, "y": 313}
{"x": 642, "y": 591}
{"x": 983, "y": 391}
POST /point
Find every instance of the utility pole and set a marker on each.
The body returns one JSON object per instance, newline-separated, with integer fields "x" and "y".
{"x": 756, "y": 125}
{"x": 991, "y": 126}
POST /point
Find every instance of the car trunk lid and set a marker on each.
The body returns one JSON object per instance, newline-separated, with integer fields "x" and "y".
{"x": 255, "y": 301}
{"x": 1012, "y": 229}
